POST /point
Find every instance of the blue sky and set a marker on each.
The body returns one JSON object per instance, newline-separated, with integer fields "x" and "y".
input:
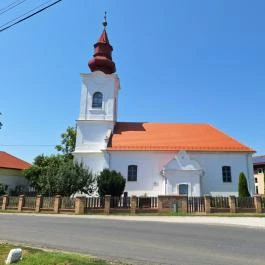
{"x": 178, "y": 61}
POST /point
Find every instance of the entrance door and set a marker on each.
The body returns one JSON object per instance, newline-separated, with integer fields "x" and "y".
{"x": 183, "y": 189}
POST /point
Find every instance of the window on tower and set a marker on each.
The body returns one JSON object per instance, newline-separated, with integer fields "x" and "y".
{"x": 97, "y": 100}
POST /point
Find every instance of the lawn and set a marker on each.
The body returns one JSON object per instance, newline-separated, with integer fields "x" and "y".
{"x": 40, "y": 257}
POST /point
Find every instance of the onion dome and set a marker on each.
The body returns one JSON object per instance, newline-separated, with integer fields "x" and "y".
{"x": 102, "y": 59}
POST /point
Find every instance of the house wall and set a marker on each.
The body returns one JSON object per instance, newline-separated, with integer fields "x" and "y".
{"x": 12, "y": 178}
{"x": 151, "y": 163}
{"x": 259, "y": 171}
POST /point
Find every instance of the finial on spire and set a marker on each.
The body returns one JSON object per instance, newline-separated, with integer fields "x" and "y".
{"x": 105, "y": 21}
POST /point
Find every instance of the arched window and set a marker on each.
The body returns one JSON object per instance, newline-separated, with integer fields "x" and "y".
{"x": 97, "y": 100}
{"x": 226, "y": 171}
{"x": 132, "y": 173}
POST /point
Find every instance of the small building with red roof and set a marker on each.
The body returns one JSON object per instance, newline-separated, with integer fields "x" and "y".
{"x": 11, "y": 171}
{"x": 155, "y": 158}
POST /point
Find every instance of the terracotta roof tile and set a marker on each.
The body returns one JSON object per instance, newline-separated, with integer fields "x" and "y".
{"x": 172, "y": 136}
{"x": 9, "y": 161}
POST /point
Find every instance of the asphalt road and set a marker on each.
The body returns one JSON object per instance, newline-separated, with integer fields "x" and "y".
{"x": 139, "y": 242}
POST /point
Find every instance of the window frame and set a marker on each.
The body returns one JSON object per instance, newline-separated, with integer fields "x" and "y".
{"x": 96, "y": 104}
{"x": 186, "y": 185}
{"x": 132, "y": 173}
{"x": 226, "y": 174}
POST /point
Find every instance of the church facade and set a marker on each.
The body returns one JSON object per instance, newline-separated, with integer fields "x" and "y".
{"x": 155, "y": 158}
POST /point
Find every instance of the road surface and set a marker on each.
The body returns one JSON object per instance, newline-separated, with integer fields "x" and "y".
{"x": 139, "y": 242}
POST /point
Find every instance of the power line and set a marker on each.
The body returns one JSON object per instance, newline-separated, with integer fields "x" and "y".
{"x": 1, "y": 9}
{"x": 11, "y": 6}
{"x": 27, "y": 17}
{"x": 25, "y": 13}
{"x": 26, "y": 145}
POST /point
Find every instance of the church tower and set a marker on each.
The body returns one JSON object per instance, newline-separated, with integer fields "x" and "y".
{"x": 98, "y": 106}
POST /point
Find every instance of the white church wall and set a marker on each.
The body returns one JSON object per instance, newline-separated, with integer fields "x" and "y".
{"x": 92, "y": 135}
{"x": 212, "y": 163}
{"x": 151, "y": 163}
{"x": 95, "y": 162}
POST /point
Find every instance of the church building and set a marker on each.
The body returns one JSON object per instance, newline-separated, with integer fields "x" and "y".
{"x": 154, "y": 158}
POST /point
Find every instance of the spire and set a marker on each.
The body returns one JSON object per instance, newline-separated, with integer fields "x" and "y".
{"x": 102, "y": 60}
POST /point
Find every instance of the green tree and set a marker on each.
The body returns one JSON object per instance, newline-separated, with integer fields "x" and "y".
{"x": 243, "y": 186}
{"x": 110, "y": 182}
{"x": 51, "y": 175}
{"x": 3, "y": 189}
{"x": 67, "y": 145}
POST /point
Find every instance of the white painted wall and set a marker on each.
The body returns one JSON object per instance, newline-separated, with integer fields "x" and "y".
{"x": 151, "y": 163}
{"x": 109, "y": 86}
{"x": 94, "y": 126}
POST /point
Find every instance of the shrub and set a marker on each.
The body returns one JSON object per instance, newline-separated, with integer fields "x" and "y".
{"x": 110, "y": 182}
{"x": 3, "y": 189}
{"x": 243, "y": 186}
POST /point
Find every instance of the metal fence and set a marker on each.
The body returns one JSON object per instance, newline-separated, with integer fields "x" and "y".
{"x": 48, "y": 202}
{"x": 95, "y": 202}
{"x": 67, "y": 203}
{"x": 30, "y": 202}
{"x": 13, "y": 202}
{"x": 245, "y": 202}
{"x": 120, "y": 202}
{"x": 196, "y": 204}
{"x": 220, "y": 202}
{"x": 147, "y": 202}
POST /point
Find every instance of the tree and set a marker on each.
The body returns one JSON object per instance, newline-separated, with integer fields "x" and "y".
{"x": 51, "y": 175}
{"x": 67, "y": 145}
{"x": 243, "y": 186}
{"x": 110, "y": 182}
{"x": 3, "y": 189}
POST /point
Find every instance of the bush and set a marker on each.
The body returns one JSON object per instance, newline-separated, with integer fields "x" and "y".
{"x": 3, "y": 189}
{"x": 110, "y": 182}
{"x": 18, "y": 190}
{"x": 243, "y": 186}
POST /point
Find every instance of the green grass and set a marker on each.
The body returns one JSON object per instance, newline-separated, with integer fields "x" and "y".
{"x": 39, "y": 257}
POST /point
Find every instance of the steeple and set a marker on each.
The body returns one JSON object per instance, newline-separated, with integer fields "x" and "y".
{"x": 102, "y": 60}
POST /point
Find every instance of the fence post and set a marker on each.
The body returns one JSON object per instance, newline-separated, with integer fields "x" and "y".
{"x": 257, "y": 203}
{"x": 232, "y": 204}
{"x": 80, "y": 205}
{"x": 160, "y": 204}
{"x": 21, "y": 202}
{"x": 39, "y": 201}
{"x": 107, "y": 204}
{"x": 207, "y": 202}
{"x": 57, "y": 203}
{"x": 5, "y": 202}
{"x": 184, "y": 204}
{"x": 133, "y": 204}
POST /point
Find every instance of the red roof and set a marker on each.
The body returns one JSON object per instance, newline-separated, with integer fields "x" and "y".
{"x": 172, "y": 137}
{"x": 9, "y": 161}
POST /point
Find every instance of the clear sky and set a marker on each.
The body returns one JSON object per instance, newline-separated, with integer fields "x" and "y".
{"x": 178, "y": 61}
